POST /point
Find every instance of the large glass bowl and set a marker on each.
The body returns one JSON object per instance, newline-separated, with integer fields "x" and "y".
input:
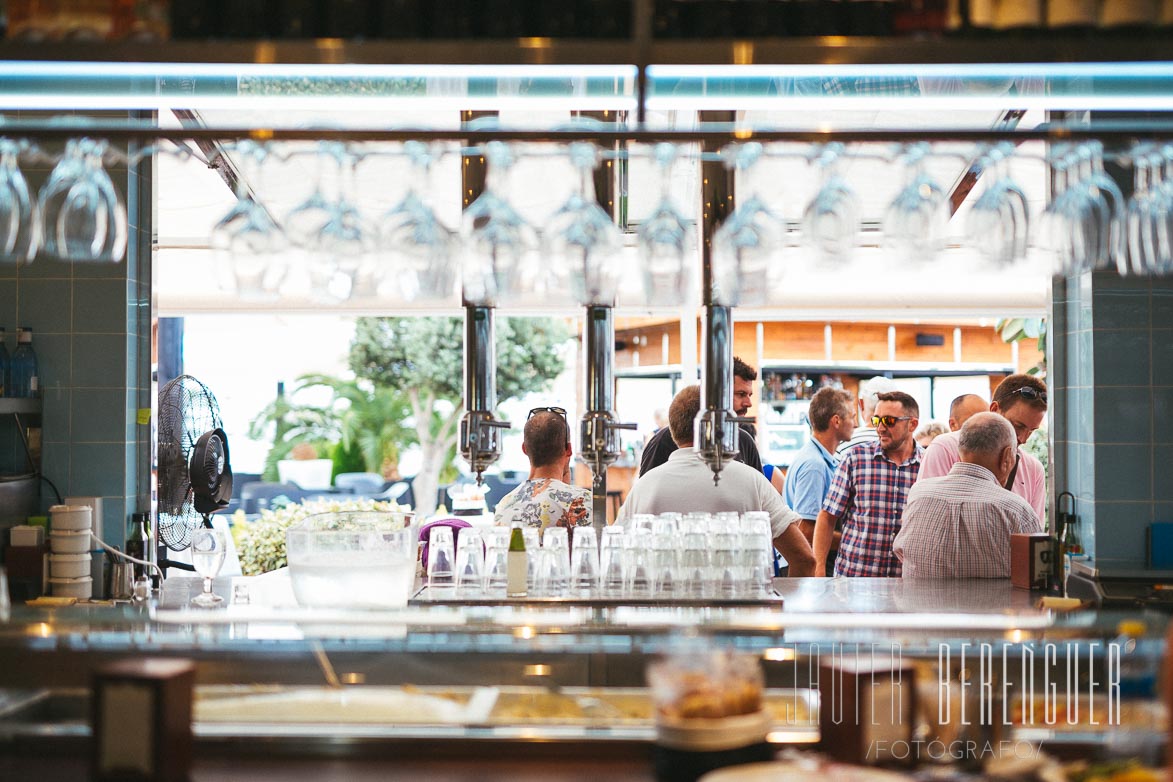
{"x": 353, "y": 559}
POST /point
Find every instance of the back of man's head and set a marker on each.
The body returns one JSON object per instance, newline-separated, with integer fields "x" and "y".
{"x": 744, "y": 370}
{"x": 1021, "y": 389}
{"x": 961, "y": 408}
{"x": 827, "y": 403}
{"x": 682, "y": 413}
{"x": 869, "y": 390}
{"x": 984, "y": 436}
{"x": 545, "y": 437}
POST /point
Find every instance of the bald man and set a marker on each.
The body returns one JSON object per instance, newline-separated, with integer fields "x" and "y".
{"x": 963, "y": 407}
{"x": 959, "y": 525}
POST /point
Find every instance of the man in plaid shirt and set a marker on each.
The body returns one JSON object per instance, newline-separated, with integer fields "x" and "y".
{"x": 868, "y": 493}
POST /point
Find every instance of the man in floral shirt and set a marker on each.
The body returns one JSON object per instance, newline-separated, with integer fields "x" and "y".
{"x": 546, "y": 498}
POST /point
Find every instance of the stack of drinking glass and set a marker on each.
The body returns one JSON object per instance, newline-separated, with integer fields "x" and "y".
{"x": 673, "y": 556}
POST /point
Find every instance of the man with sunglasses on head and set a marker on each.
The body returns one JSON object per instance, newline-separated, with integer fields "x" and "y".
{"x": 546, "y": 498}
{"x": 868, "y": 492}
{"x": 661, "y": 445}
{"x": 1021, "y": 400}
{"x": 685, "y": 484}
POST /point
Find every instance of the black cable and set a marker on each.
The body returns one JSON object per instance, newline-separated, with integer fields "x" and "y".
{"x": 54, "y": 488}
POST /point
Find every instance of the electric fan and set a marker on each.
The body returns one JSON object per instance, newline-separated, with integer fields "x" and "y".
{"x": 195, "y": 476}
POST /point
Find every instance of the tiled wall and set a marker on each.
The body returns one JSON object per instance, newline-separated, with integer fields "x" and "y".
{"x": 1112, "y": 379}
{"x": 91, "y": 332}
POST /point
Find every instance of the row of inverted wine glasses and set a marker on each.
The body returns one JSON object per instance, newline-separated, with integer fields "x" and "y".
{"x": 78, "y": 215}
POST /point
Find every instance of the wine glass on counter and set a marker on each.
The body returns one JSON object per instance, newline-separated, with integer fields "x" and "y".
{"x": 208, "y": 548}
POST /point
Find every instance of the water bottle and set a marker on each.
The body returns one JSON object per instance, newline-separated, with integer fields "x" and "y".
{"x": 4, "y": 390}
{"x": 22, "y": 370}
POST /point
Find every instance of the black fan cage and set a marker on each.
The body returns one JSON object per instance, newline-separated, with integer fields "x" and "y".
{"x": 187, "y": 409}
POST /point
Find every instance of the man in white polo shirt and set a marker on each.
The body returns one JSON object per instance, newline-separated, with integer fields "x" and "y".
{"x": 684, "y": 484}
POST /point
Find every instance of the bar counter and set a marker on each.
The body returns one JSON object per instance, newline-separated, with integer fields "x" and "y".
{"x": 566, "y": 650}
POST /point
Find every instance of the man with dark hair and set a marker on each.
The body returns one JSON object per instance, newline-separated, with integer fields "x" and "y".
{"x": 868, "y": 492}
{"x": 546, "y": 498}
{"x": 684, "y": 484}
{"x": 959, "y": 525}
{"x": 869, "y": 390}
{"x": 832, "y": 419}
{"x": 1021, "y": 400}
{"x": 963, "y": 407}
{"x": 661, "y": 445}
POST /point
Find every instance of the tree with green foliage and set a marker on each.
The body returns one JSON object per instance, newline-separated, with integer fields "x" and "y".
{"x": 362, "y": 418}
{"x": 423, "y": 359}
{"x": 1015, "y": 329}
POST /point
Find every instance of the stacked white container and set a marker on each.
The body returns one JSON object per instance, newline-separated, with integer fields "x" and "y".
{"x": 69, "y": 551}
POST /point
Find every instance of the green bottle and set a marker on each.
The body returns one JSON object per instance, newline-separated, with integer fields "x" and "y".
{"x": 516, "y": 564}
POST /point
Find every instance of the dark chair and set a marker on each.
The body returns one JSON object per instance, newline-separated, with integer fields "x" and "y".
{"x": 359, "y": 482}
{"x": 256, "y": 496}
{"x": 499, "y": 486}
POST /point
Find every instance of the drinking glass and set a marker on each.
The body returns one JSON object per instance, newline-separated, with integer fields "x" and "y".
{"x": 497, "y": 561}
{"x": 666, "y": 524}
{"x": 694, "y": 565}
{"x": 665, "y": 240}
{"x": 1059, "y": 233}
{"x": 831, "y": 220}
{"x": 420, "y": 251}
{"x": 497, "y": 242}
{"x": 440, "y": 569}
{"x": 723, "y": 575}
{"x": 550, "y": 574}
{"x": 640, "y": 564}
{"x": 665, "y": 565}
{"x": 557, "y": 540}
{"x": 758, "y": 548}
{"x": 613, "y": 561}
{"x": 584, "y": 560}
{"x": 582, "y": 243}
{"x": 470, "y": 562}
{"x": 20, "y": 214}
{"x": 346, "y": 241}
{"x": 999, "y": 221}
{"x": 1108, "y": 201}
{"x": 247, "y": 243}
{"x": 305, "y": 221}
{"x": 916, "y": 221}
{"x": 746, "y": 242}
{"x": 208, "y": 547}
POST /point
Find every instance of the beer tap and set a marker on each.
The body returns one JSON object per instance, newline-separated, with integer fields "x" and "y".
{"x": 600, "y": 442}
{"x": 480, "y": 442}
{"x": 717, "y": 427}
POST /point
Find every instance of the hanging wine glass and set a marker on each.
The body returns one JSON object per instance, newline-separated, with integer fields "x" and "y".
{"x": 420, "y": 250}
{"x": 20, "y": 214}
{"x": 345, "y": 243}
{"x": 916, "y": 220}
{"x": 999, "y": 222}
{"x": 831, "y": 220}
{"x": 1059, "y": 234}
{"x": 666, "y": 242}
{"x": 247, "y": 243}
{"x": 498, "y": 243}
{"x": 746, "y": 242}
{"x": 91, "y": 225}
{"x": 583, "y": 244}
{"x": 1108, "y": 207}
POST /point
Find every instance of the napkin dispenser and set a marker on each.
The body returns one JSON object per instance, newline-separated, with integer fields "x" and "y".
{"x": 1030, "y": 560}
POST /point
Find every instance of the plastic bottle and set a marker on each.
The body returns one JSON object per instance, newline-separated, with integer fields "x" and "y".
{"x": 4, "y": 362}
{"x": 22, "y": 372}
{"x": 516, "y": 564}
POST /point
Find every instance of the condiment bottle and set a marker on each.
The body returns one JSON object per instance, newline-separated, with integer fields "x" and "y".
{"x": 516, "y": 564}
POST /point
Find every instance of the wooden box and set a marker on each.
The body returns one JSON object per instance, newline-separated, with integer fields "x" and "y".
{"x": 867, "y": 706}
{"x": 141, "y": 720}
{"x": 1030, "y": 560}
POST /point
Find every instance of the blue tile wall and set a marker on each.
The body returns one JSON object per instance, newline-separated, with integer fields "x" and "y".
{"x": 1122, "y": 357}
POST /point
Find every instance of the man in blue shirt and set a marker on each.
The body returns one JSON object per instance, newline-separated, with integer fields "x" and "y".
{"x": 832, "y": 419}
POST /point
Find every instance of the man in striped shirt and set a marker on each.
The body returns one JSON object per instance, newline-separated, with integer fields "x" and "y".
{"x": 959, "y": 525}
{"x": 868, "y": 493}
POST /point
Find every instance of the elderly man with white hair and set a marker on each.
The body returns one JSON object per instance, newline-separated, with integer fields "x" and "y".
{"x": 869, "y": 391}
{"x": 959, "y": 525}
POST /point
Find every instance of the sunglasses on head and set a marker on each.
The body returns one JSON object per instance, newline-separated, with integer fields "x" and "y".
{"x": 1033, "y": 394}
{"x": 889, "y": 420}
{"x": 537, "y": 410}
